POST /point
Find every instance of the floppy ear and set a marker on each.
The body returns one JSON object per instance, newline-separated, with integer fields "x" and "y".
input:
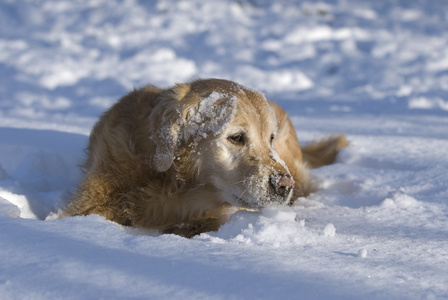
{"x": 165, "y": 121}
{"x": 207, "y": 116}
{"x": 184, "y": 116}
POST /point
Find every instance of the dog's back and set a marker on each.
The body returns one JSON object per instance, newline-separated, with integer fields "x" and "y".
{"x": 113, "y": 166}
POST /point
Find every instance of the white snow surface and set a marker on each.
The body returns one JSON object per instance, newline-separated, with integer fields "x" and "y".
{"x": 209, "y": 118}
{"x": 375, "y": 70}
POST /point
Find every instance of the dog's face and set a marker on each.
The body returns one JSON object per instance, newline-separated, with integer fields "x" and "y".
{"x": 222, "y": 137}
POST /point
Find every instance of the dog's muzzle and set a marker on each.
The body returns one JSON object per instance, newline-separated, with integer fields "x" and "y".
{"x": 281, "y": 184}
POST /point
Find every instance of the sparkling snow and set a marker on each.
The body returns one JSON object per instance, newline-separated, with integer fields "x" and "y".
{"x": 375, "y": 70}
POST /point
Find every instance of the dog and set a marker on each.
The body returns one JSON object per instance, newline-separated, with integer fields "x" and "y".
{"x": 182, "y": 160}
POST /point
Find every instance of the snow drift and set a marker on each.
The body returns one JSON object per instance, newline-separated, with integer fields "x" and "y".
{"x": 376, "y": 71}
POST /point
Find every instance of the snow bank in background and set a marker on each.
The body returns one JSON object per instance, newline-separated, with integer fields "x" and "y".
{"x": 374, "y": 70}
{"x": 57, "y": 57}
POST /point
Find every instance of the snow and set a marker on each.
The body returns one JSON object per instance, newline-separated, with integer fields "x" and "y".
{"x": 375, "y": 70}
{"x": 215, "y": 119}
{"x": 362, "y": 253}
{"x": 329, "y": 230}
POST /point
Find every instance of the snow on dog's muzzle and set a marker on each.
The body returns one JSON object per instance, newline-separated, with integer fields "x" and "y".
{"x": 281, "y": 184}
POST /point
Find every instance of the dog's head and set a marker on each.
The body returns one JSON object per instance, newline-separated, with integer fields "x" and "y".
{"x": 220, "y": 135}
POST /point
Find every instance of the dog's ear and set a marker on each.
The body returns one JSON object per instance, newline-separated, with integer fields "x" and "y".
{"x": 187, "y": 114}
{"x": 206, "y": 115}
{"x": 165, "y": 121}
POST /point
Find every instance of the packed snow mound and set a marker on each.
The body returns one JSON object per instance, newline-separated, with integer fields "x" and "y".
{"x": 278, "y": 227}
{"x": 274, "y": 228}
{"x": 8, "y": 208}
{"x": 38, "y": 168}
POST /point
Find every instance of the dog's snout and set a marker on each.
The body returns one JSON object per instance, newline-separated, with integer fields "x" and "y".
{"x": 281, "y": 183}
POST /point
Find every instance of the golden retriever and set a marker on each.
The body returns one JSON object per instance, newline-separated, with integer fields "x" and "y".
{"x": 182, "y": 160}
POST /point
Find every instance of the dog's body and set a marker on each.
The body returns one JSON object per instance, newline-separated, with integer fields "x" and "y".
{"x": 182, "y": 160}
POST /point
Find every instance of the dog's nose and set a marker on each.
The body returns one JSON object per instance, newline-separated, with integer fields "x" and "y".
{"x": 281, "y": 183}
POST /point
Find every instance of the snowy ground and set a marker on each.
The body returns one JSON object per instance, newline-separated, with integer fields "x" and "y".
{"x": 376, "y": 70}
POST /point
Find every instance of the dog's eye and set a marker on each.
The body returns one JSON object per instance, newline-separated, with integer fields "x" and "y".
{"x": 272, "y": 138}
{"x": 237, "y": 139}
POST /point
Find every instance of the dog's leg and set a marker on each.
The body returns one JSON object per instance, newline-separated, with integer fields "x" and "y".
{"x": 209, "y": 221}
{"x": 191, "y": 229}
{"x": 98, "y": 195}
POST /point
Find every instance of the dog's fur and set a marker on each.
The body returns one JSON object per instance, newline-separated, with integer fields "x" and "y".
{"x": 182, "y": 160}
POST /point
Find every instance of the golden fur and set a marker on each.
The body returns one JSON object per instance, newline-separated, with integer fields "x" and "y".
{"x": 182, "y": 160}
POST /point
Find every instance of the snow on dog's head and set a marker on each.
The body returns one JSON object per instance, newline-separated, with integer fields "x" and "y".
{"x": 219, "y": 134}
